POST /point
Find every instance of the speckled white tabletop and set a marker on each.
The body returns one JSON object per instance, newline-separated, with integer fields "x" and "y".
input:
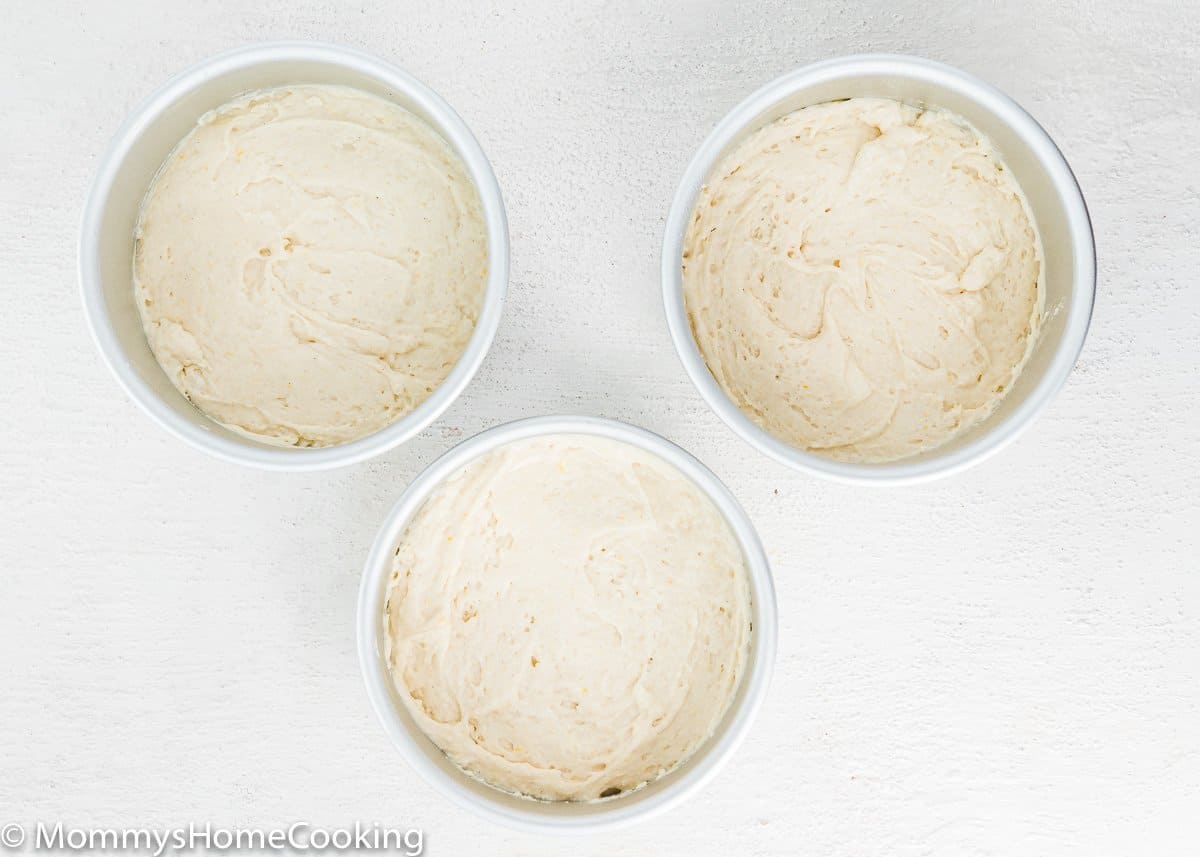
{"x": 1004, "y": 663}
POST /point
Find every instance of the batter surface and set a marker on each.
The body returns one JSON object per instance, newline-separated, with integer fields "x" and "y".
{"x": 568, "y": 617}
{"x": 310, "y": 262}
{"x": 862, "y": 278}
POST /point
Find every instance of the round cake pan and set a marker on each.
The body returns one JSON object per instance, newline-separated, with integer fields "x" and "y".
{"x": 130, "y": 164}
{"x": 1069, "y": 276}
{"x": 563, "y": 816}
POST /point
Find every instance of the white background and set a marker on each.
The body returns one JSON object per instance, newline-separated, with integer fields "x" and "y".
{"x": 1003, "y": 663}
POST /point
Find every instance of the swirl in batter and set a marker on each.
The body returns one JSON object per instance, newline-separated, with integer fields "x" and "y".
{"x": 568, "y": 617}
{"x": 862, "y": 278}
{"x": 309, "y": 264}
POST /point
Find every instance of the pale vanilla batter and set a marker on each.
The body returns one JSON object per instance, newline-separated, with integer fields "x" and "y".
{"x": 862, "y": 278}
{"x": 568, "y": 617}
{"x": 310, "y": 262}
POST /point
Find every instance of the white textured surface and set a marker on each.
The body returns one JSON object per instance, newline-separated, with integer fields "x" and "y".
{"x": 1006, "y": 663}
